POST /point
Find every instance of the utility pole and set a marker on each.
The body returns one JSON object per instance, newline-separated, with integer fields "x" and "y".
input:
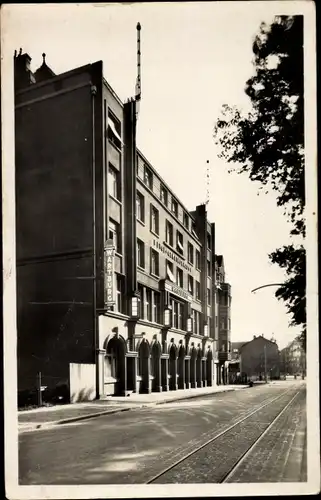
{"x": 265, "y": 372}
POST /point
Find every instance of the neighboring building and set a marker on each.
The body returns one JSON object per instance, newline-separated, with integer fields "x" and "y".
{"x": 259, "y": 358}
{"x": 116, "y": 279}
{"x": 256, "y": 359}
{"x": 293, "y": 359}
{"x": 223, "y": 319}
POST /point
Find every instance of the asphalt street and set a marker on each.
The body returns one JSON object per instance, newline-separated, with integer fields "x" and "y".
{"x": 135, "y": 446}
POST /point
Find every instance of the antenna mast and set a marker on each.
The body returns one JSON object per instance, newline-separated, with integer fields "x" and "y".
{"x": 207, "y": 182}
{"x": 138, "y": 79}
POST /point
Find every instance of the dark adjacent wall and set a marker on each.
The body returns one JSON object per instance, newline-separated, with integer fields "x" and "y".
{"x": 54, "y": 221}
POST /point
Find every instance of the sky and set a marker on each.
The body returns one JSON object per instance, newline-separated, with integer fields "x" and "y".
{"x": 195, "y": 58}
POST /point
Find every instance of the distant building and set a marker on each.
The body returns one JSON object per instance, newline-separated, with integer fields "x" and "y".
{"x": 293, "y": 359}
{"x": 255, "y": 359}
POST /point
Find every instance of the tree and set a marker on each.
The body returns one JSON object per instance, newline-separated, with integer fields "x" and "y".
{"x": 267, "y": 143}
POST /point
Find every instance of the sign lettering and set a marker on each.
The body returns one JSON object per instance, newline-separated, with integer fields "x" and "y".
{"x": 171, "y": 255}
{"x": 110, "y": 274}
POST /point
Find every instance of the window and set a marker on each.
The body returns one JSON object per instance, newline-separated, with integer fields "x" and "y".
{"x": 209, "y": 268}
{"x": 170, "y": 271}
{"x": 114, "y": 130}
{"x": 198, "y": 259}
{"x": 179, "y": 277}
{"x": 208, "y": 241}
{"x": 208, "y": 296}
{"x": 149, "y": 304}
{"x": 186, "y": 220}
{"x": 154, "y": 220}
{"x": 229, "y": 324}
{"x": 119, "y": 294}
{"x": 141, "y": 301}
{"x": 179, "y": 242}
{"x": 113, "y": 182}
{"x": 175, "y": 207}
{"x": 223, "y": 348}
{"x": 216, "y": 321}
{"x": 190, "y": 284}
{"x": 154, "y": 263}
{"x": 163, "y": 195}
{"x": 169, "y": 233}
{"x": 140, "y": 253}
{"x": 223, "y": 323}
{"x": 148, "y": 177}
{"x": 197, "y": 290}
{"x": 194, "y": 230}
{"x": 180, "y": 315}
{"x": 190, "y": 253}
{"x": 114, "y": 234}
{"x": 235, "y": 351}
{"x": 156, "y": 307}
{"x": 177, "y": 314}
{"x": 229, "y": 346}
{"x": 209, "y": 324}
{"x": 196, "y": 321}
{"x": 140, "y": 208}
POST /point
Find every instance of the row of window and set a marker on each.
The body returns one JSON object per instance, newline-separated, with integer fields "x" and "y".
{"x": 154, "y": 270}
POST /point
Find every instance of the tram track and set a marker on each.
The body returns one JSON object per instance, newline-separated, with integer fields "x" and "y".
{"x": 228, "y": 448}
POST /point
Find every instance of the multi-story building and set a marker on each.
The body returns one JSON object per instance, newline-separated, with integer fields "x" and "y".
{"x": 223, "y": 320}
{"x": 116, "y": 279}
{"x": 258, "y": 358}
{"x": 293, "y": 359}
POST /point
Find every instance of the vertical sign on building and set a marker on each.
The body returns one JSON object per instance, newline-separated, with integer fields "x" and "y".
{"x": 110, "y": 273}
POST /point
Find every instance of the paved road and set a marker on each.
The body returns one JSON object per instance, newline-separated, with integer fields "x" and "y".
{"x": 133, "y": 447}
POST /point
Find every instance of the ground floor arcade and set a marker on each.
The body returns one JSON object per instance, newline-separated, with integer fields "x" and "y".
{"x": 144, "y": 358}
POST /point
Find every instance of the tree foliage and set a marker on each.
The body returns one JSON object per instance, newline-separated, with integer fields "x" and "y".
{"x": 267, "y": 143}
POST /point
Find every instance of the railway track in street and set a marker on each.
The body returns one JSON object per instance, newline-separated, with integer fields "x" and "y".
{"x": 249, "y": 443}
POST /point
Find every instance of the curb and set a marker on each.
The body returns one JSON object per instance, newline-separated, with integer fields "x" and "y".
{"x": 54, "y": 423}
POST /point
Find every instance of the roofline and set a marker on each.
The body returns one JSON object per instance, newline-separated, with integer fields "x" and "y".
{"x": 163, "y": 182}
{"x": 80, "y": 69}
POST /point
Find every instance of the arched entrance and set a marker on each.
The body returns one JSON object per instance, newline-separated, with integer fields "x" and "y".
{"x": 144, "y": 366}
{"x": 115, "y": 366}
{"x": 181, "y": 367}
{"x": 173, "y": 368}
{"x": 155, "y": 366}
{"x": 209, "y": 368}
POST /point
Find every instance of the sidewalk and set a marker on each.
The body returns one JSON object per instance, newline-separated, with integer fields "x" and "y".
{"x": 46, "y": 417}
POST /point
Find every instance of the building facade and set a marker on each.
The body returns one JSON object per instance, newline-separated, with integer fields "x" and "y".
{"x": 258, "y": 358}
{"x": 113, "y": 272}
{"x": 293, "y": 359}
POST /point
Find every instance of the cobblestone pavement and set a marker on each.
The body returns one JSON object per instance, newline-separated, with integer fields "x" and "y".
{"x": 132, "y": 447}
{"x": 279, "y": 454}
{"x": 216, "y": 459}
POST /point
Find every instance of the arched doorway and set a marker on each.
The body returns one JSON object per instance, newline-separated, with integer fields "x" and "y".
{"x": 155, "y": 366}
{"x": 193, "y": 367}
{"x": 209, "y": 368}
{"x": 173, "y": 368}
{"x": 115, "y": 366}
{"x": 199, "y": 368}
{"x": 181, "y": 367}
{"x": 144, "y": 366}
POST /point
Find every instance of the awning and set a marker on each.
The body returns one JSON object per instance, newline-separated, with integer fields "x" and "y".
{"x": 180, "y": 245}
{"x": 170, "y": 274}
{"x": 112, "y": 127}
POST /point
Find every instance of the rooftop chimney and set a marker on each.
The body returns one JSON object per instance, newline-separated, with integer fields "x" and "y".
{"x": 23, "y": 76}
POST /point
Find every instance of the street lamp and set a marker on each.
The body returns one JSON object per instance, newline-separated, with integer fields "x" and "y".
{"x": 189, "y": 325}
{"x": 265, "y": 286}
